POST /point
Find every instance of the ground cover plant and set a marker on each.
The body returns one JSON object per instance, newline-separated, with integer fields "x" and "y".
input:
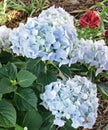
{"x": 51, "y": 68}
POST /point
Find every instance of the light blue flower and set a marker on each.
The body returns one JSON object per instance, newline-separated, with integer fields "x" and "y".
{"x": 105, "y": 66}
{"x": 93, "y": 53}
{"x": 59, "y": 122}
{"x": 58, "y": 15}
{"x": 4, "y": 37}
{"x": 74, "y": 99}
{"x": 51, "y": 36}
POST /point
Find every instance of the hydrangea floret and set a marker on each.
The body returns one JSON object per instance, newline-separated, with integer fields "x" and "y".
{"x": 74, "y": 99}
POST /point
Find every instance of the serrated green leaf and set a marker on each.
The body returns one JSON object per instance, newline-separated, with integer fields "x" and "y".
{"x": 7, "y": 114}
{"x": 25, "y": 78}
{"x": 32, "y": 120}
{"x": 46, "y": 77}
{"x": 25, "y": 99}
{"x": 8, "y": 71}
{"x": 6, "y": 87}
{"x": 35, "y": 66}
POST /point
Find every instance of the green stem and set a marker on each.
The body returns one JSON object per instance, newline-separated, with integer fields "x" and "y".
{"x": 5, "y": 5}
{"x": 58, "y": 128}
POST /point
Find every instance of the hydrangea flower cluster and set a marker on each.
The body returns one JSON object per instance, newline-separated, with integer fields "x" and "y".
{"x": 4, "y": 37}
{"x": 51, "y": 36}
{"x": 74, "y": 99}
{"x": 93, "y": 53}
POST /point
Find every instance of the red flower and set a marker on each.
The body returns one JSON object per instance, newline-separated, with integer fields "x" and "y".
{"x": 91, "y": 19}
{"x": 106, "y": 33}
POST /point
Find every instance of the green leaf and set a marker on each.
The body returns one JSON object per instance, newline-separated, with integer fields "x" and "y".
{"x": 91, "y": 74}
{"x": 7, "y": 114}
{"x": 4, "y": 129}
{"x": 46, "y": 77}
{"x": 25, "y": 99}
{"x": 20, "y": 64}
{"x": 18, "y": 127}
{"x": 5, "y": 57}
{"x": 25, "y": 78}
{"x": 32, "y": 120}
{"x": 12, "y": 71}
{"x": 104, "y": 87}
{"x": 67, "y": 128}
{"x": 8, "y": 71}
{"x": 20, "y": 116}
{"x": 65, "y": 70}
{"x": 6, "y": 87}
{"x": 49, "y": 127}
{"x": 105, "y": 74}
{"x": 3, "y": 72}
{"x": 78, "y": 68}
{"x": 36, "y": 66}
{"x": 1, "y": 96}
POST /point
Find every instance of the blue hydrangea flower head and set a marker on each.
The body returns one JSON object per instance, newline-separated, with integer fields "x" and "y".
{"x": 93, "y": 53}
{"x": 74, "y": 99}
{"x": 51, "y": 36}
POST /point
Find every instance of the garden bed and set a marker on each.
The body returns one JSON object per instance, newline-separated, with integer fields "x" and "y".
{"x": 77, "y": 10}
